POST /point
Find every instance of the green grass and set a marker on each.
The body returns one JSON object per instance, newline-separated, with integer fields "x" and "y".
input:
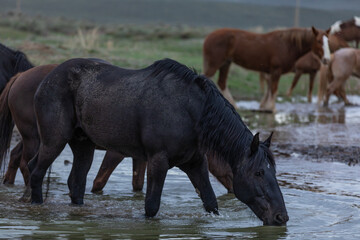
{"x": 130, "y": 46}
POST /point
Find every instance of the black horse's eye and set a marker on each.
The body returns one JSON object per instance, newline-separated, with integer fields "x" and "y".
{"x": 260, "y": 173}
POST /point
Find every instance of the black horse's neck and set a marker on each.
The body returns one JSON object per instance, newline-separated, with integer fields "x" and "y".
{"x": 222, "y": 131}
{"x": 21, "y": 63}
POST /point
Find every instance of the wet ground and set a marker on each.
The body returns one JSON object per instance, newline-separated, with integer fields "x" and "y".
{"x": 317, "y": 155}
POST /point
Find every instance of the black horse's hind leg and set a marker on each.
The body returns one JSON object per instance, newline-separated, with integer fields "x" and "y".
{"x": 83, "y": 151}
{"x": 156, "y": 173}
{"x": 197, "y": 171}
{"x": 39, "y": 165}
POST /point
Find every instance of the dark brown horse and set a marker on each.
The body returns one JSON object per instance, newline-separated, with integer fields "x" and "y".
{"x": 166, "y": 114}
{"x": 11, "y": 63}
{"x": 348, "y": 30}
{"x": 16, "y": 105}
{"x": 274, "y": 53}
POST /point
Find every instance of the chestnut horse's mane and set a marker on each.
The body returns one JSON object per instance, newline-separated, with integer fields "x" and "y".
{"x": 297, "y": 36}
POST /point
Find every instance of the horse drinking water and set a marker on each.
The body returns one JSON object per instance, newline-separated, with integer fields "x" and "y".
{"x": 166, "y": 114}
{"x": 274, "y": 53}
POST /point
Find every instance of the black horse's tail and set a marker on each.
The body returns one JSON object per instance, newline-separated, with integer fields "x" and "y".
{"x": 6, "y": 121}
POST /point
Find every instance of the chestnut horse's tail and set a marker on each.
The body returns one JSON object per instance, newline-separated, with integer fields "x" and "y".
{"x": 6, "y": 121}
{"x": 326, "y": 77}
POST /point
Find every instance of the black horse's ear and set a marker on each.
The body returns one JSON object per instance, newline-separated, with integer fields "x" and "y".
{"x": 316, "y": 32}
{"x": 268, "y": 140}
{"x": 255, "y": 143}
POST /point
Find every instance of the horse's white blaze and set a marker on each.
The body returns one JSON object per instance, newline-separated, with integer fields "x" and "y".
{"x": 357, "y": 21}
{"x": 326, "y": 48}
{"x": 335, "y": 27}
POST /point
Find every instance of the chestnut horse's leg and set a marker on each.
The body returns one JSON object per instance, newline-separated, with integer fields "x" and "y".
{"x": 139, "y": 167}
{"x": 30, "y": 147}
{"x": 83, "y": 151}
{"x": 223, "y": 73}
{"x": 311, "y": 85}
{"x": 15, "y": 158}
{"x": 108, "y": 165}
{"x": 298, "y": 73}
{"x": 197, "y": 171}
{"x": 157, "y": 168}
{"x": 110, "y": 162}
{"x": 268, "y": 101}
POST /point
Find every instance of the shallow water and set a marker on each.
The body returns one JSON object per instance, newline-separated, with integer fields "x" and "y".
{"x": 322, "y": 195}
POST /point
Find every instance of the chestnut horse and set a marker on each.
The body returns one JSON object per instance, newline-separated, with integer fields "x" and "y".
{"x": 344, "y": 63}
{"x": 348, "y": 30}
{"x": 73, "y": 105}
{"x": 274, "y": 53}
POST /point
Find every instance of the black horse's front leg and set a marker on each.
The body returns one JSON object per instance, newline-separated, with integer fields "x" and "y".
{"x": 197, "y": 171}
{"x": 156, "y": 172}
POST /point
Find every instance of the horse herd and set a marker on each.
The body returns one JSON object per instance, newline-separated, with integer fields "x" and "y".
{"x": 162, "y": 116}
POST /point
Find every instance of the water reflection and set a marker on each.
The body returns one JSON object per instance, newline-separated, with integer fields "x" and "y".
{"x": 322, "y": 197}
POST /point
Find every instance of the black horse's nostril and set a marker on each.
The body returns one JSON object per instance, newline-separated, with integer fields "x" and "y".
{"x": 281, "y": 218}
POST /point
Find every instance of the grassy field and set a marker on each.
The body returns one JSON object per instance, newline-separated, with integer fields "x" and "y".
{"x": 54, "y": 40}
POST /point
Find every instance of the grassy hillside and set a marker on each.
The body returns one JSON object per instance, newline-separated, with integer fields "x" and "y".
{"x": 54, "y": 40}
{"x": 189, "y": 12}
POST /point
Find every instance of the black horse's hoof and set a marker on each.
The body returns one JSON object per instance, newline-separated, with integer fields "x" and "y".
{"x": 77, "y": 201}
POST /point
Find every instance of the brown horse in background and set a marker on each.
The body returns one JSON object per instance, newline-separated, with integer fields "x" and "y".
{"x": 344, "y": 63}
{"x": 310, "y": 63}
{"x": 274, "y": 53}
{"x": 348, "y": 30}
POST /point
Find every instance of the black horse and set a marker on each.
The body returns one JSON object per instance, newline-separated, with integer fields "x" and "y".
{"x": 166, "y": 114}
{"x": 11, "y": 63}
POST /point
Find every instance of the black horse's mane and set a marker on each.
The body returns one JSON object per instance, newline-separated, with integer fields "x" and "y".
{"x": 21, "y": 61}
{"x": 221, "y": 129}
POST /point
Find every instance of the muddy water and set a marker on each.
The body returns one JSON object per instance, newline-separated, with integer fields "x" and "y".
{"x": 317, "y": 166}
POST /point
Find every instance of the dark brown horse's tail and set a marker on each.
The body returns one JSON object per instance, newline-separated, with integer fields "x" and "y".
{"x": 325, "y": 77}
{"x": 6, "y": 121}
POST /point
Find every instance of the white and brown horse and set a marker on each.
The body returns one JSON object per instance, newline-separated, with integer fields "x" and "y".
{"x": 344, "y": 63}
{"x": 348, "y": 30}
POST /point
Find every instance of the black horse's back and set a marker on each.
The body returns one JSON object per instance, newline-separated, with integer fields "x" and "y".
{"x": 134, "y": 107}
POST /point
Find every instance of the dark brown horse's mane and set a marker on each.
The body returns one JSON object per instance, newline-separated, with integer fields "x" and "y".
{"x": 296, "y": 36}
